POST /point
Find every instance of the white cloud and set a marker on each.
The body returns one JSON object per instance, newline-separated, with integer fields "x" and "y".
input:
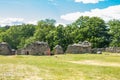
{"x": 15, "y": 21}
{"x": 11, "y": 21}
{"x": 89, "y": 1}
{"x": 32, "y": 22}
{"x": 112, "y": 12}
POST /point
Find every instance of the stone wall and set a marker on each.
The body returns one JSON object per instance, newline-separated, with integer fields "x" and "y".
{"x": 108, "y": 49}
{"x": 58, "y": 50}
{"x": 113, "y": 49}
{"x": 95, "y": 50}
{"x": 5, "y": 49}
{"x": 42, "y": 48}
{"x": 81, "y": 47}
{"x": 36, "y": 48}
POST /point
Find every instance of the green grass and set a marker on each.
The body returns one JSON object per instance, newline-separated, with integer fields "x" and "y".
{"x": 59, "y": 67}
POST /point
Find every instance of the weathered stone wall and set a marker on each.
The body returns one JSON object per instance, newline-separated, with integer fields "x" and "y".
{"x": 5, "y": 49}
{"x": 84, "y": 47}
{"x": 42, "y": 48}
{"x": 36, "y": 48}
{"x": 109, "y": 49}
{"x": 78, "y": 49}
{"x": 18, "y": 52}
{"x": 58, "y": 50}
{"x": 113, "y": 49}
{"x": 95, "y": 50}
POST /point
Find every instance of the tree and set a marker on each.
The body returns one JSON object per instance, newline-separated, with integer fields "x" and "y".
{"x": 43, "y": 28}
{"x": 45, "y": 31}
{"x": 114, "y": 32}
{"x": 16, "y": 35}
{"x": 60, "y": 38}
{"x": 93, "y": 30}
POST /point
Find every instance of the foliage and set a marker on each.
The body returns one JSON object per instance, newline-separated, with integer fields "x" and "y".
{"x": 92, "y": 29}
{"x": 16, "y": 35}
{"x": 114, "y": 32}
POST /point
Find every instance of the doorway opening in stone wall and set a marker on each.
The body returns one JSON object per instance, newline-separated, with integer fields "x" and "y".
{"x": 27, "y": 52}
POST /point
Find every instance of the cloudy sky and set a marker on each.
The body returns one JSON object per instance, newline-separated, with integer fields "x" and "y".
{"x": 63, "y": 11}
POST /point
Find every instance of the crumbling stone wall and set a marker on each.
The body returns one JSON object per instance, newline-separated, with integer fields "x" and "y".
{"x": 113, "y": 49}
{"x": 5, "y": 49}
{"x": 58, "y": 49}
{"x": 108, "y": 49}
{"x": 96, "y": 50}
{"x": 81, "y": 47}
{"x": 36, "y": 48}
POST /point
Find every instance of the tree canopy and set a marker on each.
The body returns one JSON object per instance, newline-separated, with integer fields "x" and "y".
{"x": 92, "y": 29}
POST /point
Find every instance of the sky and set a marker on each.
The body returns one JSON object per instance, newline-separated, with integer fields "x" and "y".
{"x": 14, "y": 12}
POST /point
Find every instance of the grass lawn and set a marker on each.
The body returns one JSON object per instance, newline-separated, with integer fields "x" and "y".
{"x": 61, "y": 67}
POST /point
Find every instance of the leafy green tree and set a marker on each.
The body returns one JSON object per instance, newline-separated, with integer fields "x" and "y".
{"x": 92, "y": 29}
{"x": 60, "y": 38}
{"x": 43, "y": 29}
{"x": 3, "y": 29}
{"x": 17, "y": 34}
{"x": 114, "y": 32}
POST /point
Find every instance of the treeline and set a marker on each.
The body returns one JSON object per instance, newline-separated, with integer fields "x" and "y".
{"x": 92, "y": 29}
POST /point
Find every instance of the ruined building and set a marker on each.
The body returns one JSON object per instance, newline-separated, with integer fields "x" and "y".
{"x": 81, "y": 47}
{"x": 36, "y": 48}
{"x": 5, "y": 49}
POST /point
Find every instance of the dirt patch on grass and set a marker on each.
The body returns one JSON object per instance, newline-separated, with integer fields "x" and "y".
{"x": 19, "y": 72}
{"x": 97, "y": 63}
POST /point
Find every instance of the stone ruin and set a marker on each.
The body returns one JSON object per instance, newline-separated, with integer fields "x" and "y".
{"x": 108, "y": 49}
{"x": 35, "y": 48}
{"x": 81, "y": 47}
{"x": 113, "y": 49}
{"x": 42, "y": 48}
{"x": 5, "y": 49}
{"x": 97, "y": 50}
{"x": 58, "y": 50}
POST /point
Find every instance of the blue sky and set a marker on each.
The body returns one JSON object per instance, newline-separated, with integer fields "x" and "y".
{"x": 63, "y": 11}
